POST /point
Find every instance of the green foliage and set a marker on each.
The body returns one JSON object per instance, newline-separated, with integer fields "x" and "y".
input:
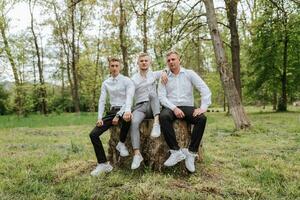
{"x": 265, "y": 67}
{"x": 3, "y": 100}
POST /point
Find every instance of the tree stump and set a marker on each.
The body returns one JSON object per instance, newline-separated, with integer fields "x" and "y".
{"x": 155, "y": 151}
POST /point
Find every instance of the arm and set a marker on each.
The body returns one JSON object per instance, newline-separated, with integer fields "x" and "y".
{"x": 157, "y": 74}
{"x": 162, "y": 96}
{"x": 101, "y": 103}
{"x": 130, "y": 89}
{"x": 202, "y": 88}
{"x": 163, "y": 74}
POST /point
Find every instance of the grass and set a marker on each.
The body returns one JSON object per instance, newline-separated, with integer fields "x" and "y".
{"x": 51, "y": 158}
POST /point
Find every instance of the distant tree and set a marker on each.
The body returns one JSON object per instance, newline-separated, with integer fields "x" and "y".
{"x": 274, "y": 53}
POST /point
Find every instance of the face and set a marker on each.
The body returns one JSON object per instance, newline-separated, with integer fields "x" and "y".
{"x": 144, "y": 62}
{"x": 173, "y": 61}
{"x": 114, "y": 68}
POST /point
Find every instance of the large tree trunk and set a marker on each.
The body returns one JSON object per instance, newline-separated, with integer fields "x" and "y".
{"x": 42, "y": 88}
{"x": 236, "y": 108}
{"x": 123, "y": 45}
{"x": 231, "y": 9}
{"x": 155, "y": 151}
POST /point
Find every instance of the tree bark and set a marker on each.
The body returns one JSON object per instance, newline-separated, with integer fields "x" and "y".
{"x": 282, "y": 104}
{"x": 18, "y": 84}
{"x": 42, "y": 88}
{"x": 123, "y": 45}
{"x": 155, "y": 151}
{"x": 236, "y": 108}
{"x": 231, "y": 9}
{"x": 145, "y": 37}
{"x": 74, "y": 60}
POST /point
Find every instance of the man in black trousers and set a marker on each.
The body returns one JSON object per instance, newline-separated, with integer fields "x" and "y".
{"x": 120, "y": 90}
{"x": 177, "y": 100}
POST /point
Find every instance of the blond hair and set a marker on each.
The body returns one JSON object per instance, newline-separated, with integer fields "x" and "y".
{"x": 113, "y": 59}
{"x": 173, "y": 52}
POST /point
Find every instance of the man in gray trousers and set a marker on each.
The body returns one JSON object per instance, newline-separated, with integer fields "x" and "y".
{"x": 146, "y": 104}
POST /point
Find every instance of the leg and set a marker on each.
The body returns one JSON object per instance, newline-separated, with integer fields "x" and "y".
{"x": 124, "y": 130}
{"x": 137, "y": 118}
{"x": 198, "y": 130}
{"x": 166, "y": 120}
{"x": 95, "y": 134}
{"x": 155, "y": 106}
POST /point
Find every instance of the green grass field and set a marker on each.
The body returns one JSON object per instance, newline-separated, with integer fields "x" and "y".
{"x": 51, "y": 158}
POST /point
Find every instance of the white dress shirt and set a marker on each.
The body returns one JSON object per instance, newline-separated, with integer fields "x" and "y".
{"x": 145, "y": 85}
{"x": 120, "y": 90}
{"x": 179, "y": 90}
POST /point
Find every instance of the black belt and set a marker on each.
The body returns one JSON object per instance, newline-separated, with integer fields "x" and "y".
{"x": 141, "y": 102}
{"x": 115, "y": 108}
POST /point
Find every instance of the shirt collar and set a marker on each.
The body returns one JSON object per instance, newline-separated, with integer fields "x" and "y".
{"x": 148, "y": 71}
{"x": 182, "y": 71}
{"x": 117, "y": 78}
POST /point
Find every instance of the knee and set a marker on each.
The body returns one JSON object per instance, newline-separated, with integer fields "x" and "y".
{"x": 94, "y": 134}
{"x": 135, "y": 122}
{"x": 164, "y": 116}
{"x": 201, "y": 119}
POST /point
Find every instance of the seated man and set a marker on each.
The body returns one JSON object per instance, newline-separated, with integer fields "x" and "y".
{"x": 177, "y": 100}
{"x": 146, "y": 104}
{"x": 120, "y": 90}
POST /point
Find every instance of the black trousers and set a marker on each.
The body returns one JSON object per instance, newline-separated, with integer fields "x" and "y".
{"x": 166, "y": 119}
{"x": 97, "y": 131}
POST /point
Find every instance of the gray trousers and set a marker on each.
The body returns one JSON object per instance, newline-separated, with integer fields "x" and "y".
{"x": 148, "y": 109}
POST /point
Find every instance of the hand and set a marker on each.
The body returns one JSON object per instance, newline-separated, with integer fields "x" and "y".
{"x": 127, "y": 116}
{"x": 198, "y": 112}
{"x": 115, "y": 120}
{"x": 178, "y": 113}
{"x": 164, "y": 78}
{"x": 99, "y": 123}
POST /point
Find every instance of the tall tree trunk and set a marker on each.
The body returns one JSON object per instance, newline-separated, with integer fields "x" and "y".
{"x": 97, "y": 62}
{"x": 62, "y": 68}
{"x": 236, "y": 108}
{"x": 274, "y": 102}
{"x": 282, "y": 104}
{"x": 42, "y": 89}
{"x": 123, "y": 45}
{"x": 145, "y": 37}
{"x": 74, "y": 60}
{"x": 18, "y": 84}
{"x": 231, "y": 9}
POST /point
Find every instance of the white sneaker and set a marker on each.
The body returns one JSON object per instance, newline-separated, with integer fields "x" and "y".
{"x": 155, "y": 130}
{"x": 136, "y": 162}
{"x": 189, "y": 160}
{"x": 175, "y": 157}
{"x": 101, "y": 168}
{"x": 122, "y": 149}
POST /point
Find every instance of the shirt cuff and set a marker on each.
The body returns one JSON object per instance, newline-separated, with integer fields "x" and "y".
{"x": 204, "y": 107}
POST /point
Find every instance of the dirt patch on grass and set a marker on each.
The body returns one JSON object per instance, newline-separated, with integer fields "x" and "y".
{"x": 71, "y": 169}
